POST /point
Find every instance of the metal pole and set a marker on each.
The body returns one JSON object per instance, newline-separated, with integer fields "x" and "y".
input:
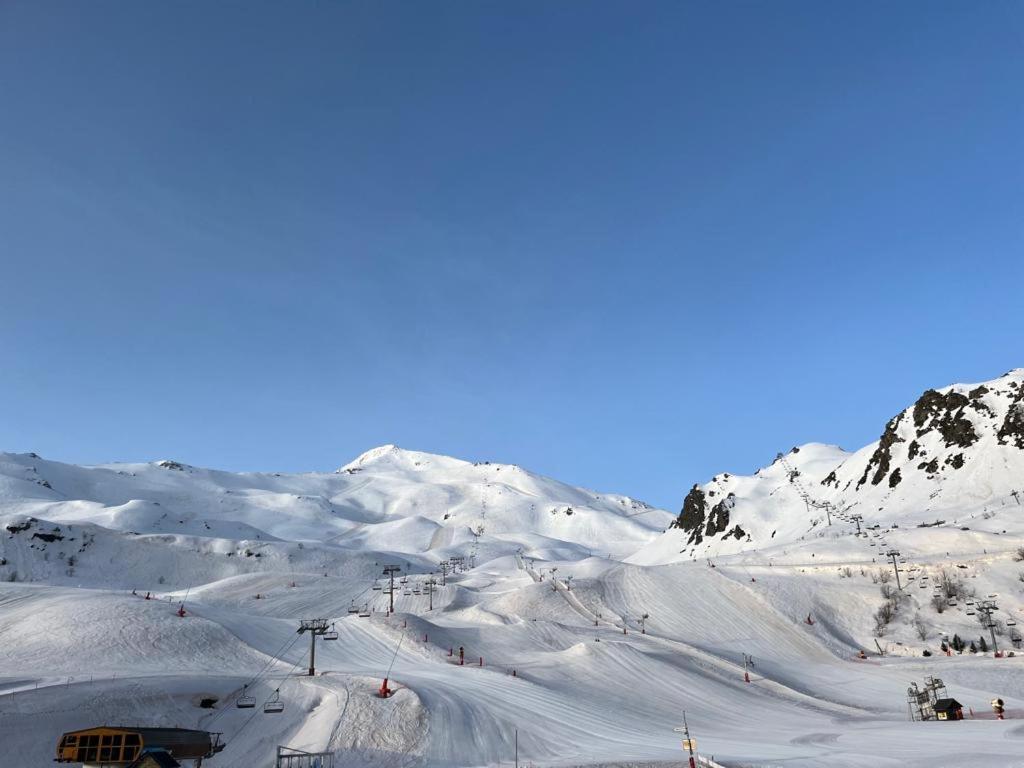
{"x": 312, "y": 653}
{"x": 689, "y": 741}
{"x": 517, "y": 748}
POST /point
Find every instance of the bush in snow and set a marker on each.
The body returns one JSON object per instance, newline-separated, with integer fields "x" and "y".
{"x": 920, "y": 627}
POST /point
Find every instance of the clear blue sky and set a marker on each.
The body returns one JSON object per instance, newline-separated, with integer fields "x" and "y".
{"x": 628, "y": 245}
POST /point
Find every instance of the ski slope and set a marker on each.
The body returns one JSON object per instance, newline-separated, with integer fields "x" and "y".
{"x": 253, "y": 554}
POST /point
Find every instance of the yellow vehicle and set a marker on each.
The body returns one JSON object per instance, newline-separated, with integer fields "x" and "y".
{"x": 119, "y": 745}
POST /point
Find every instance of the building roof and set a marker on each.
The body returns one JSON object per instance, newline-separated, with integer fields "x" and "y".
{"x": 945, "y": 705}
{"x": 155, "y": 758}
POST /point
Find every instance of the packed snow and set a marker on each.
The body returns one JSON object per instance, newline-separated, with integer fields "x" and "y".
{"x": 588, "y": 622}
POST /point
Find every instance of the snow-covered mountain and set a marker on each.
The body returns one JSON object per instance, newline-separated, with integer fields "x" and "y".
{"x": 587, "y": 622}
{"x": 956, "y": 451}
{"x": 388, "y": 500}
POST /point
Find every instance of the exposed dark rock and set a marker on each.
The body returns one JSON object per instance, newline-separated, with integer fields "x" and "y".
{"x": 718, "y": 520}
{"x": 737, "y": 533}
{"x": 1011, "y": 431}
{"x": 895, "y": 478}
{"x": 882, "y": 457}
{"x": 945, "y": 413}
{"x": 931, "y": 467}
{"x": 955, "y": 461}
{"x": 831, "y": 479}
{"x": 913, "y": 449}
{"x": 49, "y": 537}
{"x": 692, "y": 516}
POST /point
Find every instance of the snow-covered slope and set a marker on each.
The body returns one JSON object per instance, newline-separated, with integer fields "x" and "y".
{"x": 956, "y": 451}
{"x": 587, "y": 627}
{"x": 389, "y": 500}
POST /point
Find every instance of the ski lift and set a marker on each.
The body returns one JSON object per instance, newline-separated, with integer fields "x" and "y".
{"x": 404, "y": 580}
{"x": 970, "y": 611}
{"x": 923, "y": 585}
{"x": 417, "y": 591}
{"x": 377, "y": 587}
{"x": 331, "y": 634}
{"x": 245, "y": 701}
{"x": 1011, "y": 623}
{"x": 274, "y": 705}
{"x": 352, "y": 608}
{"x": 407, "y": 592}
{"x": 365, "y": 612}
{"x": 952, "y": 601}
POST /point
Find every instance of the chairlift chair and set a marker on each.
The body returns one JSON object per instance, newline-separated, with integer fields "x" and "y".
{"x": 245, "y": 701}
{"x": 377, "y": 587}
{"x": 352, "y": 608}
{"x": 331, "y": 634}
{"x": 970, "y": 612}
{"x": 952, "y": 601}
{"x": 1011, "y": 623}
{"x": 274, "y": 705}
{"x": 417, "y": 591}
{"x": 365, "y": 612}
{"x": 407, "y": 592}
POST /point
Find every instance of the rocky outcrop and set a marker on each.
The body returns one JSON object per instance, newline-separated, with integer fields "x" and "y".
{"x": 881, "y": 459}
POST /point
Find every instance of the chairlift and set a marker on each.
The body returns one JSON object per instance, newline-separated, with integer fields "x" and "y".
{"x": 417, "y": 591}
{"x": 365, "y": 612}
{"x": 952, "y": 601}
{"x": 377, "y": 587}
{"x": 245, "y": 701}
{"x": 352, "y": 608}
{"x": 407, "y": 592}
{"x": 404, "y": 580}
{"x": 1011, "y": 623}
{"x": 331, "y": 634}
{"x": 274, "y": 705}
{"x": 970, "y": 612}
{"x": 923, "y": 585}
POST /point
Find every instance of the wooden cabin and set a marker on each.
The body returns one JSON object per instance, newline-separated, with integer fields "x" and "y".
{"x": 948, "y": 709}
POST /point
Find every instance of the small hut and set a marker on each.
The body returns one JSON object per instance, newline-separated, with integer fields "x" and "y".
{"x": 948, "y": 709}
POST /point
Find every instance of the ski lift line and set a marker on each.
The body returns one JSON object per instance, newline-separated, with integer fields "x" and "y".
{"x": 259, "y": 676}
{"x": 393, "y": 658}
{"x": 277, "y": 691}
{"x": 278, "y": 656}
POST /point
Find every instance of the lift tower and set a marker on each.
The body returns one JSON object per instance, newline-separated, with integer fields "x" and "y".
{"x": 314, "y": 627}
{"x": 390, "y": 571}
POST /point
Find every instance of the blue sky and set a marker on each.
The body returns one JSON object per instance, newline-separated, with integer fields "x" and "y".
{"x": 628, "y": 245}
